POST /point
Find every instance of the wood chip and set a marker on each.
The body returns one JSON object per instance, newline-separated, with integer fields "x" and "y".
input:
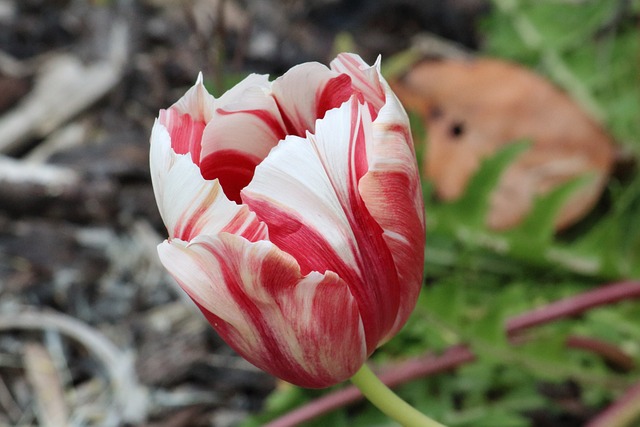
{"x": 52, "y": 409}
{"x": 63, "y": 88}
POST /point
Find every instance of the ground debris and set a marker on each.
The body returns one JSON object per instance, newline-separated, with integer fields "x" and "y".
{"x": 82, "y": 292}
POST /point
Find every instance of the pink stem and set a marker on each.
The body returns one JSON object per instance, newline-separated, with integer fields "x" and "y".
{"x": 575, "y": 305}
{"x": 620, "y": 413}
{"x": 605, "y": 350}
{"x": 460, "y": 354}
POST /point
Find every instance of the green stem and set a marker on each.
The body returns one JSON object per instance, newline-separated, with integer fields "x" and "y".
{"x": 389, "y": 402}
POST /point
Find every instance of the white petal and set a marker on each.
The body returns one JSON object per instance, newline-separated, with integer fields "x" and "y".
{"x": 292, "y": 185}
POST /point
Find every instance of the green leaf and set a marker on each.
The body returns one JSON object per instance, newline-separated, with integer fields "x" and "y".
{"x": 549, "y": 348}
{"x": 536, "y": 232}
{"x": 615, "y": 239}
{"x": 278, "y": 402}
{"x": 444, "y": 301}
{"x": 487, "y": 332}
{"x": 334, "y": 419}
{"x": 471, "y": 209}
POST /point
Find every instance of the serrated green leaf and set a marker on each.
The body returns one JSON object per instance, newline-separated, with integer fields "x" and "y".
{"x": 615, "y": 239}
{"x": 487, "y": 333}
{"x": 284, "y": 398}
{"x": 548, "y": 349}
{"x": 278, "y": 402}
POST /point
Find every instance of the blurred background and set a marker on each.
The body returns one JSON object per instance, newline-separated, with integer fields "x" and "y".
{"x": 526, "y": 120}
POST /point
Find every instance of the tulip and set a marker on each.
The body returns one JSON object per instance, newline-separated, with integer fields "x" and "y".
{"x": 295, "y": 215}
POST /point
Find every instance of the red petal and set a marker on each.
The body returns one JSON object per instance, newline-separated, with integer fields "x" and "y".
{"x": 233, "y": 168}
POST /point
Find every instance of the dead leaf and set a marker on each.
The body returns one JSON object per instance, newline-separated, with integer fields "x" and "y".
{"x": 472, "y": 108}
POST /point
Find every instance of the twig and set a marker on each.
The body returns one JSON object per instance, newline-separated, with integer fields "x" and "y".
{"x": 7, "y": 402}
{"x": 49, "y": 178}
{"x": 603, "y": 349}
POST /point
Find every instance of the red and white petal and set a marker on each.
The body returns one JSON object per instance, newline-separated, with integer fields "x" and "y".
{"x": 189, "y": 204}
{"x": 392, "y": 192}
{"x": 303, "y": 329}
{"x": 236, "y": 95}
{"x": 186, "y": 119}
{"x": 246, "y": 125}
{"x": 185, "y": 132}
{"x": 306, "y": 192}
{"x": 252, "y": 126}
{"x": 306, "y": 92}
{"x": 365, "y": 79}
{"x": 197, "y": 102}
{"x": 292, "y": 192}
{"x": 161, "y": 160}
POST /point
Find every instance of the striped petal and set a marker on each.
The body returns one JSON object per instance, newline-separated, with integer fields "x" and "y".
{"x": 365, "y": 79}
{"x": 189, "y": 204}
{"x": 305, "y": 329}
{"x": 392, "y": 192}
{"x": 306, "y": 92}
{"x": 186, "y": 119}
{"x": 245, "y": 126}
{"x": 197, "y": 102}
{"x": 306, "y": 191}
{"x": 294, "y": 214}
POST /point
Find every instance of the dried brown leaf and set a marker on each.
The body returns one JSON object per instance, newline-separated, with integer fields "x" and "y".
{"x": 472, "y": 108}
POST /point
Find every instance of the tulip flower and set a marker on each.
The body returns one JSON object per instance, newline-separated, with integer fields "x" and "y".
{"x": 294, "y": 215}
